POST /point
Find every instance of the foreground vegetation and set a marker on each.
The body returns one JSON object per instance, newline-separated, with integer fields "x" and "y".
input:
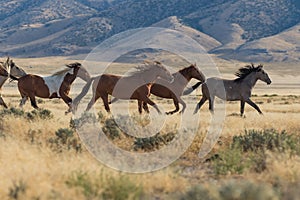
{"x": 257, "y": 157}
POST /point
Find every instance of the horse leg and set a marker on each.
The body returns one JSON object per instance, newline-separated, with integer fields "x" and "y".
{"x": 183, "y": 105}
{"x": 2, "y": 102}
{"x": 33, "y": 101}
{"x": 104, "y": 98}
{"x": 151, "y": 103}
{"x": 93, "y": 100}
{"x": 68, "y": 101}
{"x": 175, "y": 101}
{"x": 113, "y": 100}
{"x": 251, "y": 103}
{"x": 140, "y": 106}
{"x": 211, "y": 104}
{"x": 145, "y": 107}
{"x": 201, "y": 102}
{"x": 23, "y": 101}
{"x": 242, "y": 107}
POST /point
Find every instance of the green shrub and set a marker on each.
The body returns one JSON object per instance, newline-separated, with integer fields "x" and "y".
{"x": 100, "y": 187}
{"x": 17, "y": 190}
{"x": 89, "y": 188}
{"x": 230, "y": 161}
{"x": 247, "y": 190}
{"x": 111, "y": 129}
{"x": 65, "y": 140}
{"x": 12, "y": 111}
{"x": 232, "y": 190}
{"x": 268, "y": 139}
{"x": 33, "y": 115}
{"x": 121, "y": 188}
{"x": 86, "y": 117}
{"x": 154, "y": 142}
{"x": 199, "y": 192}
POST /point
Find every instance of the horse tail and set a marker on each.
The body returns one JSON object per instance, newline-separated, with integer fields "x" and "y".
{"x": 84, "y": 91}
{"x": 191, "y": 89}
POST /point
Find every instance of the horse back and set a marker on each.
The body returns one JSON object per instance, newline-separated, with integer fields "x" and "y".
{"x": 105, "y": 82}
{"x": 33, "y": 84}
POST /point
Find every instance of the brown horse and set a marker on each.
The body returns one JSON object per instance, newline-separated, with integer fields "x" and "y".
{"x": 136, "y": 86}
{"x": 3, "y": 72}
{"x": 173, "y": 90}
{"x": 232, "y": 90}
{"x": 14, "y": 70}
{"x": 57, "y": 85}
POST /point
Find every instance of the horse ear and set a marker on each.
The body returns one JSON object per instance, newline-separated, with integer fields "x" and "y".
{"x": 259, "y": 67}
{"x": 72, "y": 65}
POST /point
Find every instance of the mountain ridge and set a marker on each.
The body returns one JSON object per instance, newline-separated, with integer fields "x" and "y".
{"x": 229, "y": 29}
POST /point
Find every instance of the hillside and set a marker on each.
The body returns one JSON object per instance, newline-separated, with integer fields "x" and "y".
{"x": 229, "y": 29}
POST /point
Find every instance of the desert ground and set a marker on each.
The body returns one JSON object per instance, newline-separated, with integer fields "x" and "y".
{"x": 256, "y": 156}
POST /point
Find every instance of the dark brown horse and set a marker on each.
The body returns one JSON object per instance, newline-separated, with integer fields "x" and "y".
{"x": 57, "y": 85}
{"x": 13, "y": 70}
{"x": 232, "y": 90}
{"x": 173, "y": 90}
{"x": 136, "y": 86}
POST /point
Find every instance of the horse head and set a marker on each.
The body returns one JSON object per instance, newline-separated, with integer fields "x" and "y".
{"x": 13, "y": 69}
{"x": 193, "y": 72}
{"x": 79, "y": 71}
{"x": 262, "y": 75}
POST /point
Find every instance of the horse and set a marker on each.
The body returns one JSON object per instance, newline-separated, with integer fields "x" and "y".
{"x": 3, "y": 72}
{"x": 137, "y": 85}
{"x": 57, "y": 85}
{"x": 173, "y": 90}
{"x": 13, "y": 70}
{"x": 238, "y": 89}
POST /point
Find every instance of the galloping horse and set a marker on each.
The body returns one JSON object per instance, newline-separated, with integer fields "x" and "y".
{"x": 14, "y": 70}
{"x": 173, "y": 90}
{"x": 3, "y": 72}
{"x": 136, "y": 86}
{"x": 57, "y": 85}
{"x": 235, "y": 90}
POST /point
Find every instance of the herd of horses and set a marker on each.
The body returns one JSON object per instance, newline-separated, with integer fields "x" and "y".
{"x": 151, "y": 77}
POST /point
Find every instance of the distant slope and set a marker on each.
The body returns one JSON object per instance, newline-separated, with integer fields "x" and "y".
{"x": 206, "y": 41}
{"x": 227, "y": 28}
{"x": 278, "y": 48}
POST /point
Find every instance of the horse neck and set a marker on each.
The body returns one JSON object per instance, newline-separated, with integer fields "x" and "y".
{"x": 148, "y": 76}
{"x": 186, "y": 75}
{"x": 250, "y": 80}
{"x": 2, "y": 80}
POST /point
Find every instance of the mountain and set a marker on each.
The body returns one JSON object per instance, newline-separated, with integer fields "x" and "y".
{"x": 231, "y": 29}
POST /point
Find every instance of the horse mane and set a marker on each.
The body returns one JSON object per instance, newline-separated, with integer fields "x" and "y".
{"x": 68, "y": 68}
{"x": 245, "y": 71}
{"x": 186, "y": 68}
{"x": 62, "y": 71}
{"x": 146, "y": 66}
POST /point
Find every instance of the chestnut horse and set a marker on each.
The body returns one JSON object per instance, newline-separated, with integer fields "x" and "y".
{"x": 135, "y": 86}
{"x": 173, "y": 90}
{"x": 14, "y": 70}
{"x": 238, "y": 89}
{"x": 57, "y": 85}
